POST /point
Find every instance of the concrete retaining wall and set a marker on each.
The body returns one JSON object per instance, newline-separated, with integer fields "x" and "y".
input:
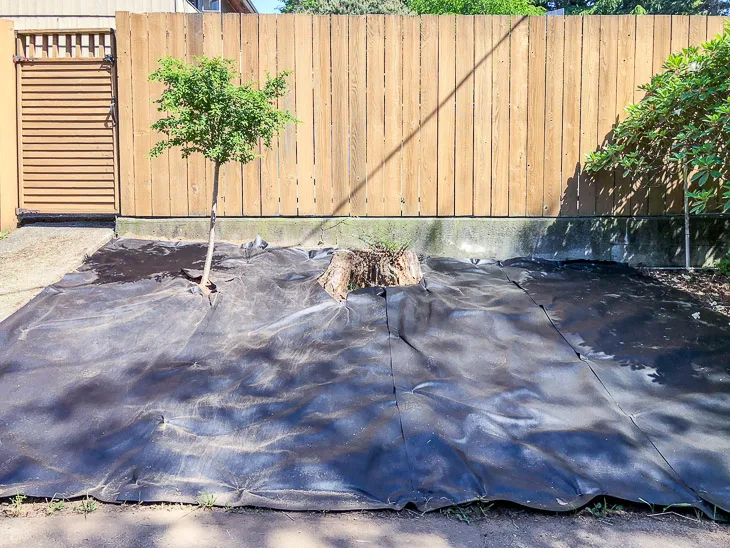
{"x": 650, "y": 241}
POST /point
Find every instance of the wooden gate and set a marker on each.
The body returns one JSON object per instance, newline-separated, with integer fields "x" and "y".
{"x": 67, "y": 122}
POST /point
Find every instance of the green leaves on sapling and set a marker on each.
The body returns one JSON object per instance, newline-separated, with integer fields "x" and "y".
{"x": 205, "y": 112}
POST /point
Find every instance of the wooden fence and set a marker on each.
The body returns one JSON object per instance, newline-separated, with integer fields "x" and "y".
{"x": 448, "y": 116}
{"x": 8, "y": 139}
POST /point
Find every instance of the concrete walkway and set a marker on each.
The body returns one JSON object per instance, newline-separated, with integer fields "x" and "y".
{"x": 38, "y": 255}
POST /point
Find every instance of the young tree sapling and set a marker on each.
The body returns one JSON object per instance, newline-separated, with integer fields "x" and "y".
{"x": 205, "y": 112}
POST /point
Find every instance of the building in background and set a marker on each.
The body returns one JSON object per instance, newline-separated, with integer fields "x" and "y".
{"x": 92, "y": 14}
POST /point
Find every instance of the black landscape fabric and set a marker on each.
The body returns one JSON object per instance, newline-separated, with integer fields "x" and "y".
{"x": 545, "y": 384}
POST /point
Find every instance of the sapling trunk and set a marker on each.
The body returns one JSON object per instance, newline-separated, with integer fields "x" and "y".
{"x": 205, "y": 280}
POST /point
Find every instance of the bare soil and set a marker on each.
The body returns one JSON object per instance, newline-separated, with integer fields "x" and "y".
{"x": 475, "y": 525}
{"x": 709, "y": 286}
{"x": 38, "y": 255}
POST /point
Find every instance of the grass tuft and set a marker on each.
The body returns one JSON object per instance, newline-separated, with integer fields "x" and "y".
{"x": 603, "y": 509}
{"x": 206, "y": 501}
{"x": 468, "y": 512}
{"x": 87, "y": 506}
{"x": 54, "y": 505}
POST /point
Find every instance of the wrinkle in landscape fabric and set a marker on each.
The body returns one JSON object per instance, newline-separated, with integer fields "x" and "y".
{"x": 120, "y": 382}
{"x": 669, "y": 370}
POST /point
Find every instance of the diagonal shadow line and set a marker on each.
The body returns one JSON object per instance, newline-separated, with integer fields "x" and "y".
{"x": 320, "y": 227}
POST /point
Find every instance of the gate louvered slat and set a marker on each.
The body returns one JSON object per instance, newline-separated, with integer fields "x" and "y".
{"x": 67, "y": 157}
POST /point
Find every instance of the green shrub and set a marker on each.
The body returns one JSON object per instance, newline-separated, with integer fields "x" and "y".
{"x": 682, "y": 124}
{"x": 724, "y": 265}
{"x": 347, "y": 7}
{"x": 476, "y": 7}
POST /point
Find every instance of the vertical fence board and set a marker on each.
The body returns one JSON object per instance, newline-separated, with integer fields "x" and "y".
{"x": 197, "y": 193}
{"x": 159, "y": 167}
{"x": 286, "y": 48}
{"x": 250, "y": 74}
{"x": 589, "y": 112}
{"x": 125, "y": 67}
{"x": 141, "y": 115}
{"x": 429, "y": 115}
{"x": 482, "y": 115}
{"x": 662, "y": 48}
{"x": 178, "y": 166}
{"x": 715, "y": 26}
{"x": 357, "y": 114}
{"x": 500, "y": 115}
{"x": 607, "y": 115}
{"x": 519, "y": 55}
{"x": 697, "y": 29}
{"x": 680, "y": 40}
{"x": 270, "y": 155}
{"x": 571, "y": 115}
{"x": 212, "y": 47}
{"x": 624, "y": 96}
{"x": 393, "y": 115}
{"x": 553, "y": 115}
{"x": 446, "y": 115}
{"x": 464, "y": 165}
{"x": 305, "y": 114}
{"x": 536, "y": 116}
{"x": 232, "y": 172}
{"x": 411, "y": 64}
{"x": 340, "y": 115}
{"x": 322, "y": 115}
{"x": 642, "y": 75}
{"x": 376, "y": 113}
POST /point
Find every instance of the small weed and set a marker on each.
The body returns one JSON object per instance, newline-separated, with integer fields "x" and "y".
{"x": 723, "y": 265}
{"x": 469, "y": 512}
{"x": 603, "y": 509}
{"x": 206, "y": 501}
{"x": 652, "y": 508}
{"x": 390, "y": 243}
{"x": 16, "y": 504}
{"x": 54, "y": 505}
{"x": 4, "y": 234}
{"x": 88, "y": 505}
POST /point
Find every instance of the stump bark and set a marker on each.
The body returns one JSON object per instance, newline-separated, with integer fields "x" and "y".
{"x": 349, "y": 270}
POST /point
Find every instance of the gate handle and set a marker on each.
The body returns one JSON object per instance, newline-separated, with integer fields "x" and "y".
{"x": 112, "y": 110}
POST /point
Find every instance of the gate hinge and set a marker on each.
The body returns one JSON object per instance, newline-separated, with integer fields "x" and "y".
{"x": 21, "y": 59}
{"x": 109, "y": 58}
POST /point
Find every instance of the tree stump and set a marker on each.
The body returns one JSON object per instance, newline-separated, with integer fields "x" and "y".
{"x": 349, "y": 270}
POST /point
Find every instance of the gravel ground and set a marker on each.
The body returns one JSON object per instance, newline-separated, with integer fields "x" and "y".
{"x": 710, "y": 287}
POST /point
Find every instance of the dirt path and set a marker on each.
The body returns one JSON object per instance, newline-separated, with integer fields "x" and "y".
{"x": 116, "y": 526}
{"x": 38, "y": 255}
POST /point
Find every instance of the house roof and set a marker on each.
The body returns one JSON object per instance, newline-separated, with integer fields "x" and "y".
{"x": 244, "y": 6}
